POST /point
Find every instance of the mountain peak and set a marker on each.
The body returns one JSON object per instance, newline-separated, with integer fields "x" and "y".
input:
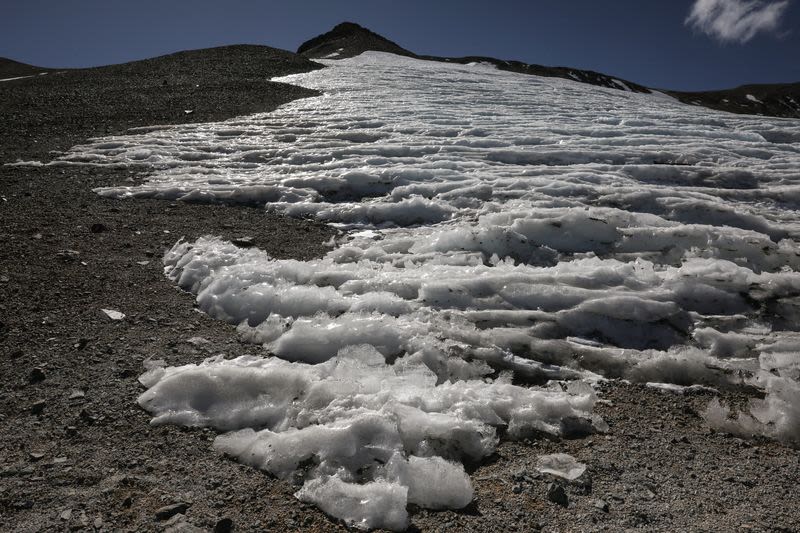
{"x": 348, "y": 39}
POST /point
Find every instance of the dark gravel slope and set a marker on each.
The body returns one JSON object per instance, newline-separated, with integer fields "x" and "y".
{"x": 58, "y": 110}
{"x": 77, "y": 453}
{"x": 777, "y": 100}
{"x": 13, "y": 69}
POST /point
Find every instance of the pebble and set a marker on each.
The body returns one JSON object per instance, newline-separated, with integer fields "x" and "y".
{"x": 66, "y": 515}
{"x": 77, "y": 394}
{"x": 243, "y": 242}
{"x": 168, "y": 511}
{"x": 557, "y": 494}
{"x": 36, "y": 376}
{"x": 602, "y": 505}
{"x": 38, "y": 407}
{"x": 223, "y": 525}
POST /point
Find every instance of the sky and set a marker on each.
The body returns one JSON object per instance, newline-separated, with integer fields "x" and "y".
{"x": 670, "y": 44}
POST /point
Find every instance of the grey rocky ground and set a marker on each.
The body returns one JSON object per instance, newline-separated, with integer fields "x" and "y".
{"x": 78, "y": 454}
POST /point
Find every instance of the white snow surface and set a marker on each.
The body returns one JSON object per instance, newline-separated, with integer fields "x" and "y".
{"x": 495, "y": 222}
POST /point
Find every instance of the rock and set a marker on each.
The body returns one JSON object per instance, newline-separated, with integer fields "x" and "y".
{"x": 38, "y": 407}
{"x": 244, "y": 242}
{"x": 81, "y": 344}
{"x": 35, "y": 456}
{"x": 557, "y": 494}
{"x": 98, "y": 523}
{"x": 223, "y": 525}
{"x": 575, "y": 427}
{"x": 184, "y": 527}
{"x": 97, "y": 227}
{"x": 66, "y": 514}
{"x": 601, "y": 504}
{"x": 168, "y": 511}
{"x": 517, "y": 489}
{"x": 77, "y": 395}
{"x": 36, "y": 376}
{"x": 68, "y": 255}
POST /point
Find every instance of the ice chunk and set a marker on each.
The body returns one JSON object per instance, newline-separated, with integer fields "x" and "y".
{"x": 113, "y": 315}
{"x": 374, "y": 505}
{"x": 562, "y": 465}
{"x": 432, "y": 482}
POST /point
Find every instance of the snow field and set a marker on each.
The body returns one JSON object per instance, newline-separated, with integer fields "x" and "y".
{"x": 495, "y": 224}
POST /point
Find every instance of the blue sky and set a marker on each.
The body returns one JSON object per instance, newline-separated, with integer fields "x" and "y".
{"x": 647, "y": 41}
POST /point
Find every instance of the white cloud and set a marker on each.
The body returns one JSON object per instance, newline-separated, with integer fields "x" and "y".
{"x": 735, "y": 20}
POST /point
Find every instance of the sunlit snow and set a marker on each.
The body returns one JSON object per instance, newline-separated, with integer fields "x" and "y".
{"x": 494, "y": 222}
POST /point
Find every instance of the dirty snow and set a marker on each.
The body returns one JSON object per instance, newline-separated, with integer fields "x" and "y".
{"x": 494, "y": 223}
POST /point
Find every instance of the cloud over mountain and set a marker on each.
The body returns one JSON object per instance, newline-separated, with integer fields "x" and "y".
{"x": 735, "y": 20}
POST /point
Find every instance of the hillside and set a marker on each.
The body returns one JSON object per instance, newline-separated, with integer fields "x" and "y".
{"x": 778, "y": 100}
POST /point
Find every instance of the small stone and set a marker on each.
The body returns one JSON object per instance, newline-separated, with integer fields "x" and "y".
{"x": 98, "y": 228}
{"x": 223, "y": 525}
{"x": 81, "y": 344}
{"x": 243, "y": 242}
{"x": 35, "y": 456}
{"x": 66, "y": 514}
{"x": 36, "y": 376}
{"x": 98, "y": 523}
{"x": 517, "y": 489}
{"x": 602, "y": 505}
{"x": 557, "y": 494}
{"x": 38, "y": 407}
{"x": 77, "y": 395}
{"x": 168, "y": 511}
{"x": 59, "y": 460}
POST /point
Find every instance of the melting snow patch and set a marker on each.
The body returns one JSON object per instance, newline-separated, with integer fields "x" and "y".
{"x": 357, "y": 429}
{"x": 496, "y": 224}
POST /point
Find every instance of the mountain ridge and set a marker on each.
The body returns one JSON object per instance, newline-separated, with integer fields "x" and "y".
{"x": 349, "y": 39}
